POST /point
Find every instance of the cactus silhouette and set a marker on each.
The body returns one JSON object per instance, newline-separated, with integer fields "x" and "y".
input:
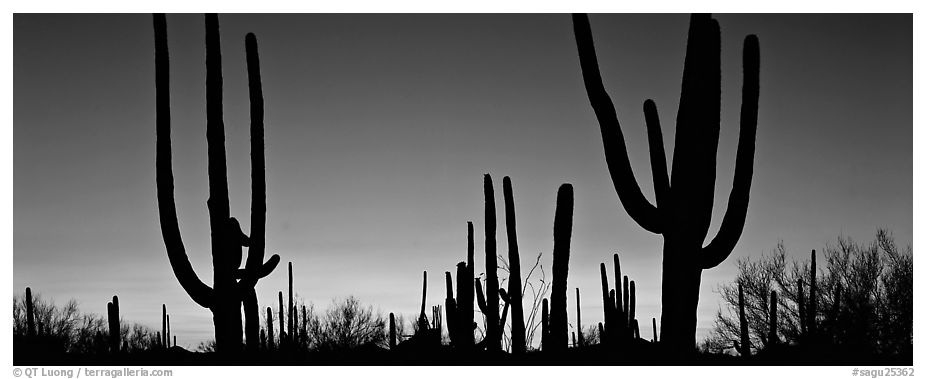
{"x": 518, "y": 334}
{"x": 270, "y": 344}
{"x": 291, "y": 319}
{"x": 226, "y": 295}
{"x": 617, "y": 303}
{"x": 655, "y": 335}
{"x": 743, "y": 347}
{"x": 580, "y": 341}
{"x": 460, "y": 309}
{"x": 545, "y": 326}
{"x": 682, "y": 213}
{"x": 115, "y": 335}
{"x": 164, "y": 338}
{"x": 422, "y": 317}
{"x": 562, "y": 235}
{"x": 282, "y": 316}
{"x": 773, "y": 320}
{"x": 493, "y": 336}
{"x": 30, "y": 314}
{"x": 801, "y": 308}
{"x": 812, "y": 307}
{"x": 392, "y": 331}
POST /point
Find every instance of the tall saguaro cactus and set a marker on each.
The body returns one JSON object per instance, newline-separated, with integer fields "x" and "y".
{"x": 682, "y": 212}
{"x": 515, "y": 293}
{"x": 227, "y": 293}
{"x": 562, "y": 236}
{"x": 493, "y": 332}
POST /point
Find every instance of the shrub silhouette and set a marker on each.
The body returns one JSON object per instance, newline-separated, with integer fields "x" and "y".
{"x": 682, "y": 212}
{"x": 227, "y": 294}
{"x": 866, "y": 296}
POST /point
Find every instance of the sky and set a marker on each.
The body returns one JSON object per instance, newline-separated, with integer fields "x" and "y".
{"x": 379, "y": 129}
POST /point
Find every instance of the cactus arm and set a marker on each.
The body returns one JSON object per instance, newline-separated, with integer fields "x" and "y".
{"x": 257, "y": 246}
{"x": 167, "y": 211}
{"x": 657, "y": 154}
{"x": 636, "y": 205}
{"x": 215, "y": 139}
{"x": 480, "y": 298}
{"x": 734, "y": 219}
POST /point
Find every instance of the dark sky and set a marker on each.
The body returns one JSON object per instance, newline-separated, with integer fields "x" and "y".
{"x": 380, "y": 127}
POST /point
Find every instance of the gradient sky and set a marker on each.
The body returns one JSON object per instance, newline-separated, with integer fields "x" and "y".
{"x": 380, "y": 127}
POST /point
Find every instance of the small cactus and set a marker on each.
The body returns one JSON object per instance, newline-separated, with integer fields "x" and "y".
{"x": 812, "y": 306}
{"x": 115, "y": 335}
{"x": 801, "y": 316}
{"x": 30, "y": 314}
{"x": 270, "y": 344}
{"x": 773, "y": 320}
{"x": 282, "y": 327}
{"x": 743, "y": 346}
{"x": 655, "y": 335}
{"x": 392, "y": 336}
{"x": 545, "y": 326}
{"x": 581, "y": 341}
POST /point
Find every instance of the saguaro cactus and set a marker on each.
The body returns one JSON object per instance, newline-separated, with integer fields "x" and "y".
{"x": 655, "y": 336}
{"x": 30, "y": 314}
{"x": 801, "y": 312}
{"x": 391, "y": 331}
{"x": 270, "y": 344}
{"x": 283, "y": 331}
{"x": 682, "y": 213}
{"x": 493, "y": 333}
{"x": 562, "y": 235}
{"x": 224, "y": 298}
{"x": 773, "y": 320}
{"x": 744, "y": 348}
{"x": 580, "y": 341}
{"x": 518, "y": 335}
{"x": 291, "y": 318}
{"x": 115, "y": 334}
{"x": 163, "y": 340}
{"x": 812, "y": 307}
{"x": 545, "y": 326}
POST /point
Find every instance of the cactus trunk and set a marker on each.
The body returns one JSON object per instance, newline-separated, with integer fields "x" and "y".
{"x": 282, "y": 320}
{"x": 773, "y": 320}
{"x": 562, "y": 236}
{"x": 270, "y": 344}
{"x": 812, "y": 306}
{"x": 801, "y": 316}
{"x": 515, "y": 293}
{"x": 391, "y": 331}
{"x": 30, "y": 314}
{"x": 580, "y": 341}
{"x": 545, "y": 326}
{"x": 744, "y": 326}
{"x": 493, "y": 334}
{"x": 115, "y": 334}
